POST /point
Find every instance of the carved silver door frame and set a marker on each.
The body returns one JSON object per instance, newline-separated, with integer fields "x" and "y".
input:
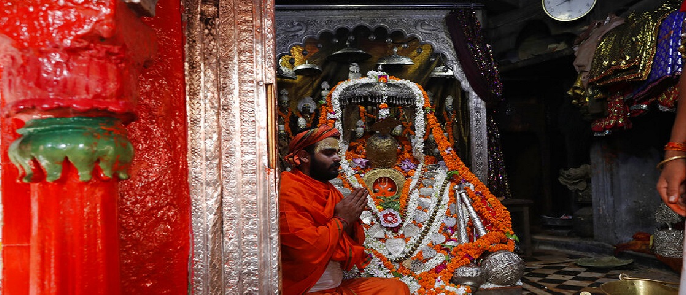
{"x": 230, "y": 76}
{"x": 294, "y": 26}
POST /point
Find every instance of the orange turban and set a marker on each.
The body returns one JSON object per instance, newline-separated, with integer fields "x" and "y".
{"x": 307, "y": 138}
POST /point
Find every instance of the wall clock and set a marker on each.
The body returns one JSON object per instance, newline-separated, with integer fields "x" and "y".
{"x": 567, "y": 10}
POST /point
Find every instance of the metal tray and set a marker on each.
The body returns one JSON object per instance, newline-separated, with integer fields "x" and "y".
{"x": 603, "y": 262}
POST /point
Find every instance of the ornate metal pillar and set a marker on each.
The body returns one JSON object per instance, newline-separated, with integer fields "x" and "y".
{"x": 70, "y": 72}
{"x": 230, "y": 78}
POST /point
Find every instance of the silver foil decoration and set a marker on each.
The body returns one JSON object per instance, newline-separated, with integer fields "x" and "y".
{"x": 503, "y": 268}
{"x": 229, "y": 76}
{"x": 668, "y": 243}
{"x": 478, "y": 225}
{"x": 345, "y": 191}
{"x": 426, "y": 191}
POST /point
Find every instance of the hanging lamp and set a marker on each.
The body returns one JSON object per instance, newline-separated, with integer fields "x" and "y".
{"x": 307, "y": 69}
{"x": 395, "y": 59}
{"x": 349, "y": 54}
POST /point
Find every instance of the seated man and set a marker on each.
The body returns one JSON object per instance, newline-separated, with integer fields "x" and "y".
{"x": 321, "y": 232}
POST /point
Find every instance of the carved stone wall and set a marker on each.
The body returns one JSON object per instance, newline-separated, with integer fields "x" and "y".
{"x": 294, "y": 26}
{"x": 230, "y": 74}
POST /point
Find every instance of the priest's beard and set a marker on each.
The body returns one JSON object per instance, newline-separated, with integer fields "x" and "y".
{"x": 319, "y": 170}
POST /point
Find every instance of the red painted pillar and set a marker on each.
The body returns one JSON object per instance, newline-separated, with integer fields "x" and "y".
{"x": 69, "y": 76}
{"x": 75, "y": 225}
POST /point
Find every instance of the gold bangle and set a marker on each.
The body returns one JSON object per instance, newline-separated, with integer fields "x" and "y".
{"x": 659, "y": 165}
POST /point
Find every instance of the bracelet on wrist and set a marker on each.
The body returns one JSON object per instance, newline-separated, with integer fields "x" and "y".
{"x": 342, "y": 220}
{"x": 665, "y": 161}
{"x": 675, "y": 146}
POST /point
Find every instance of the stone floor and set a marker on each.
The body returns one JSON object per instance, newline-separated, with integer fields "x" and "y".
{"x": 555, "y": 271}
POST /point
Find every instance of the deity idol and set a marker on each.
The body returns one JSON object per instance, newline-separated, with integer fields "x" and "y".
{"x": 429, "y": 216}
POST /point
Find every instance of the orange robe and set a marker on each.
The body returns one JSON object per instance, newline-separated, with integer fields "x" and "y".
{"x": 310, "y": 236}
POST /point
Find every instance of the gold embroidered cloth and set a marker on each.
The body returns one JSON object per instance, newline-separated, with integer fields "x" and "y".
{"x": 626, "y": 52}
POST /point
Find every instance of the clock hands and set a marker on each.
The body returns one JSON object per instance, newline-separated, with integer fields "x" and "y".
{"x": 563, "y": 2}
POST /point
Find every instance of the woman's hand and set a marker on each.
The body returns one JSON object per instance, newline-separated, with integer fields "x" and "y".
{"x": 671, "y": 186}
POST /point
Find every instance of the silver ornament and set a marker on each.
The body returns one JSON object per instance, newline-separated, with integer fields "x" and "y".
{"x": 367, "y": 217}
{"x": 426, "y": 191}
{"x": 376, "y": 231}
{"x": 503, "y": 268}
{"x": 480, "y": 229}
{"x": 395, "y": 246}
{"x": 664, "y": 214}
{"x": 438, "y": 238}
{"x": 411, "y": 230}
{"x": 428, "y": 182}
{"x": 470, "y": 275}
{"x": 450, "y": 221}
{"x": 428, "y": 252}
{"x": 462, "y": 221}
{"x": 421, "y": 216}
{"x": 668, "y": 243}
{"x": 424, "y": 202}
{"x": 337, "y": 182}
{"x": 345, "y": 191}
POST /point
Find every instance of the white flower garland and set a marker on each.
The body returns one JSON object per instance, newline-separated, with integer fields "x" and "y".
{"x": 414, "y": 196}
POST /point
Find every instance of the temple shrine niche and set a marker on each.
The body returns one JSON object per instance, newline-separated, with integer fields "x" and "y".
{"x": 432, "y": 222}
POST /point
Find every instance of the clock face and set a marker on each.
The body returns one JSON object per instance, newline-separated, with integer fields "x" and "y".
{"x": 567, "y": 10}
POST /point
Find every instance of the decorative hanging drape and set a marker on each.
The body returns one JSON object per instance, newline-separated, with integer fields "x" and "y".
{"x": 474, "y": 54}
